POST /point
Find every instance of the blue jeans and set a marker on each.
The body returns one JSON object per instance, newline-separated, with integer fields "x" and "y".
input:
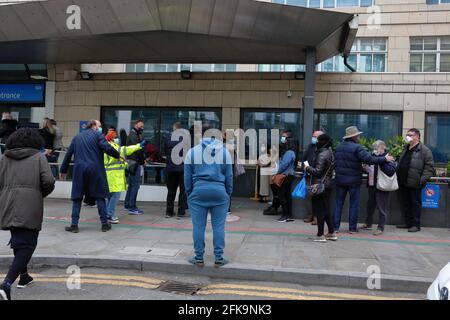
{"x": 101, "y": 206}
{"x": 114, "y": 198}
{"x": 134, "y": 183}
{"x": 341, "y": 194}
{"x": 199, "y": 216}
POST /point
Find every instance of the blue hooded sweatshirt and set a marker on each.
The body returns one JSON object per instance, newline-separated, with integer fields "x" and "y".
{"x": 208, "y": 174}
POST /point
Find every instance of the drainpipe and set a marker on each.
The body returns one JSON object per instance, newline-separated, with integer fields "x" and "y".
{"x": 347, "y": 64}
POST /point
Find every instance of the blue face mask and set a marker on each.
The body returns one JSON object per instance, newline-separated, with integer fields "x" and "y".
{"x": 314, "y": 140}
{"x": 100, "y": 130}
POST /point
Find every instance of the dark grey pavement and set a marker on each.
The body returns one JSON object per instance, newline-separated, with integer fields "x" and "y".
{"x": 259, "y": 248}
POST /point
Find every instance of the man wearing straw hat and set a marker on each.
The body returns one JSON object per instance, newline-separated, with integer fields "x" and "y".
{"x": 350, "y": 156}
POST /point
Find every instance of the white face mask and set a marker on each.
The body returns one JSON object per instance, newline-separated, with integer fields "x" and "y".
{"x": 409, "y": 139}
{"x": 116, "y": 141}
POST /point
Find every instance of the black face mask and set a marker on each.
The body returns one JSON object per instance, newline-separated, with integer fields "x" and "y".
{"x": 139, "y": 130}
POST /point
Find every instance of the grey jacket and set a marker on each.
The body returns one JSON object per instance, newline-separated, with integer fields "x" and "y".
{"x": 421, "y": 168}
{"x": 25, "y": 179}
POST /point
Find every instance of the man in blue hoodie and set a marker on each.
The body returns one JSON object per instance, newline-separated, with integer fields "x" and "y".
{"x": 208, "y": 181}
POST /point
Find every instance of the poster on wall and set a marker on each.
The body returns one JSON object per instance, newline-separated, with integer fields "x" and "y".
{"x": 83, "y": 125}
{"x": 430, "y": 196}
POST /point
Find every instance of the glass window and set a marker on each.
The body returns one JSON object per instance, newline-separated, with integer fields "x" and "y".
{"x": 347, "y": 3}
{"x": 365, "y": 45}
{"x": 445, "y": 43}
{"x": 416, "y": 44}
{"x": 328, "y": 3}
{"x": 438, "y": 136}
{"x": 430, "y": 44}
{"x": 283, "y": 120}
{"x": 379, "y": 63}
{"x": 416, "y": 63}
{"x": 300, "y": 3}
{"x": 374, "y": 125}
{"x": 445, "y": 63}
{"x": 429, "y": 63}
{"x": 365, "y": 62}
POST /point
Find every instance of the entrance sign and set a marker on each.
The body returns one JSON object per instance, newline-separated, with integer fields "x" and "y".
{"x": 22, "y": 93}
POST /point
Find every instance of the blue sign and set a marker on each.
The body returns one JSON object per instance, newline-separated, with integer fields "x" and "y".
{"x": 83, "y": 125}
{"x": 22, "y": 93}
{"x": 430, "y": 196}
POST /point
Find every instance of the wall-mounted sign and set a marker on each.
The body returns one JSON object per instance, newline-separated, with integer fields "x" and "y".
{"x": 22, "y": 93}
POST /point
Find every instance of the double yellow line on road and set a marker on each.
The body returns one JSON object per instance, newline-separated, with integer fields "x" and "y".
{"x": 227, "y": 289}
{"x": 284, "y": 293}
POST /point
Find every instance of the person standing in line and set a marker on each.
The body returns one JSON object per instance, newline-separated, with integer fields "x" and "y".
{"x": 264, "y": 163}
{"x": 208, "y": 179}
{"x": 115, "y": 173}
{"x": 350, "y": 156}
{"x": 25, "y": 179}
{"x": 288, "y": 163}
{"x": 135, "y": 169}
{"x": 416, "y": 167}
{"x": 321, "y": 172}
{"x": 174, "y": 176}
{"x": 89, "y": 175}
{"x": 8, "y": 127}
{"x": 309, "y": 156}
{"x": 378, "y": 199}
{"x": 58, "y": 141}
{"x": 48, "y": 133}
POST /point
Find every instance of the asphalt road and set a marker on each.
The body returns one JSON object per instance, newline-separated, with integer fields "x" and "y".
{"x": 104, "y": 284}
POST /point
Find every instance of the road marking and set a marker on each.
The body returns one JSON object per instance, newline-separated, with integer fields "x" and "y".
{"x": 300, "y": 292}
{"x": 260, "y": 294}
{"x": 102, "y": 282}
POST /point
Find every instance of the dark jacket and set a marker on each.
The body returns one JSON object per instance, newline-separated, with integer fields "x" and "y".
{"x": 421, "y": 168}
{"x": 168, "y": 147}
{"x": 321, "y": 165}
{"x": 48, "y": 137}
{"x": 389, "y": 168}
{"x": 89, "y": 175}
{"x": 309, "y": 154}
{"x": 25, "y": 179}
{"x": 134, "y": 138}
{"x": 349, "y": 159}
{"x": 7, "y": 128}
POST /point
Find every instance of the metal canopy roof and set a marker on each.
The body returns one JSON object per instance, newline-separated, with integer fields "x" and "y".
{"x": 171, "y": 31}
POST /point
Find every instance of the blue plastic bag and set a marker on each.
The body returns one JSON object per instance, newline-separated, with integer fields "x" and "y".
{"x": 300, "y": 191}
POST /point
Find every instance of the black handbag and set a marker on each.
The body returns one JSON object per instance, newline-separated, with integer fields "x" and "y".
{"x": 132, "y": 167}
{"x": 318, "y": 188}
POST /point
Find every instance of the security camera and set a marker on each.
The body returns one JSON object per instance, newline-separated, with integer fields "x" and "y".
{"x": 289, "y": 94}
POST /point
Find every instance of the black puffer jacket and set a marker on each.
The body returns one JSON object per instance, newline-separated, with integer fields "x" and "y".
{"x": 134, "y": 138}
{"x": 421, "y": 168}
{"x": 323, "y": 164}
{"x": 25, "y": 179}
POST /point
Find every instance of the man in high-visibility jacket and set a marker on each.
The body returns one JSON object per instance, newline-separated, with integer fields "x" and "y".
{"x": 115, "y": 173}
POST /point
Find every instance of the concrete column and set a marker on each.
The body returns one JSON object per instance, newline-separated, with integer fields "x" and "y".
{"x": 310, "y": 89}
{"x": 50, "y": 92}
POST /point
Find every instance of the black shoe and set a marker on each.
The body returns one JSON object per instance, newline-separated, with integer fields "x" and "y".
{"x": 25, "y": 281}
{"x": 414, "y": 229}
{"x": 168, "y": 215}
{"x": 283, "y": 219}
{"x": 73, "y": 229}
{"x": 106, "y": 227}
{"x": 271, "y": 211}
{"x": 5, "y": 293}
{"x": 403, "y": 226}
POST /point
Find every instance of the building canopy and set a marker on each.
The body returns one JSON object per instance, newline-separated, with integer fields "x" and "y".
{"x": 172, "y": 31}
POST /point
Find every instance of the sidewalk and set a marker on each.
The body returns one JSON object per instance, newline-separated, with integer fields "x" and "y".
{"x": 259, "y": 248}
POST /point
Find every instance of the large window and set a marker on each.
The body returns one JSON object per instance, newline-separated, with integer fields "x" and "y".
{"x": 327, "y": 3}
{"x": 430, "y": 54}
{"x": 271, "y": 119}
{"x": 438, "y": 136}
{"x": 375, "y": 125}
{"x": 158, "y": 124}
{"x": 180, "y": 67}
{"x": 368, "y": 55}
{"x": 437, "y": 1}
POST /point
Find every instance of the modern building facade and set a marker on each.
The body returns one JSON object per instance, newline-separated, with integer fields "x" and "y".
{"x": 402, "y": 80}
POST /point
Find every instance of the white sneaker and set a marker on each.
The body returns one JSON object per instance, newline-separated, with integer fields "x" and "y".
{"x": 113, "y": 220}
{"x": 321, "y": 239}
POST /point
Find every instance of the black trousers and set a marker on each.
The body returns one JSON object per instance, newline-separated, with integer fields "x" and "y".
{"x": 175, "y": 180}
{"x": 321, "y": 209}
{"x": 89, "y": 201}
{"x": 276, "y": 200}
{"x": 377, "y": 200}
{"x": 285, "y": 196}
{"x": 23, "y": 242}
{"x": 412, "y": 206}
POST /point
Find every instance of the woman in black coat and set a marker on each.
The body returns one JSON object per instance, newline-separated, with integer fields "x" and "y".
{"x": 321, "y": 170}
